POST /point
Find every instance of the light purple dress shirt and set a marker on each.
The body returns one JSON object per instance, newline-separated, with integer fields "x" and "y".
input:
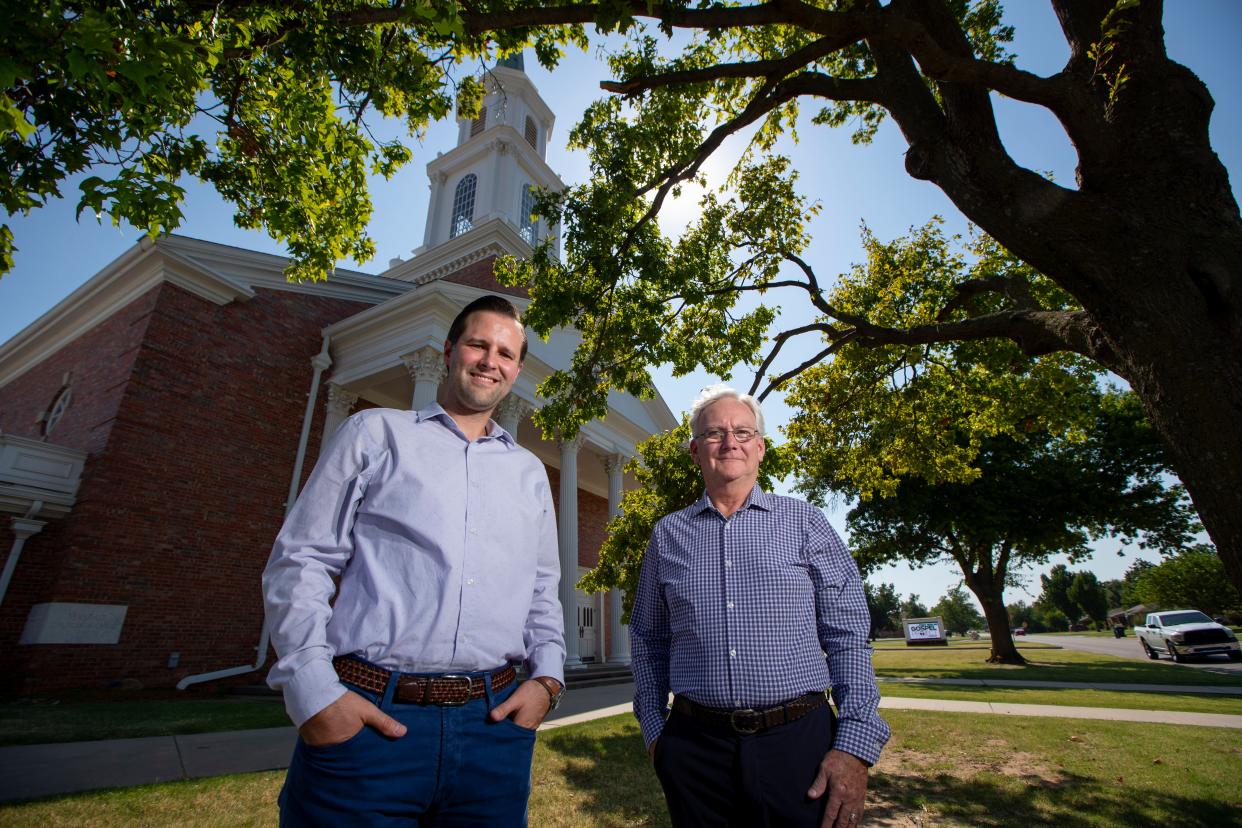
{"x": 445, "y": 549}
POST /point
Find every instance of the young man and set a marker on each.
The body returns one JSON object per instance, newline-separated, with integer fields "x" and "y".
{"x": 749, "y": 608}
{"x": 441, "y": 531}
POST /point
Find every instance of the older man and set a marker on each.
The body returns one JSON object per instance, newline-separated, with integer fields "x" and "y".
{"x": 441, "y": 532}
{"x": 749, "y": 608}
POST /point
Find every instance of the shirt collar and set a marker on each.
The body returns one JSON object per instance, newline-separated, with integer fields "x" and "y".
{"x": 436, "y": 412}
{"x": 757, "y": 498}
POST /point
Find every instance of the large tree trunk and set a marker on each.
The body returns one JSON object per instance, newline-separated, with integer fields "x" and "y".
{"x": 1151, "y": 245}
{"x": 989, "y": 588}
{"x": 1189, "y": 376}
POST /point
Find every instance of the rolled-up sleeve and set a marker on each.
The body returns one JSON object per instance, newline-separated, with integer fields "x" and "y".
{"x": 843, "y": 623}
{"x": 649, "y": 644}
{"x": 313, "y": 547}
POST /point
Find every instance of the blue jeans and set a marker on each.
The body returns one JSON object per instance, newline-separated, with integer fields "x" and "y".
{"x": 453, "y": 767}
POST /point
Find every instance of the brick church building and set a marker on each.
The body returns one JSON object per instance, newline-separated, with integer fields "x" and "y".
{"x": 156, "y": 424}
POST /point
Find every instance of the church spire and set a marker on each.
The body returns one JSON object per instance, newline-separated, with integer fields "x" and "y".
{"x": 513, "y": 61}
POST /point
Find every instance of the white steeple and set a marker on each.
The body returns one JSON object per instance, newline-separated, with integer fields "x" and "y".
{"x": 498, "y": 162}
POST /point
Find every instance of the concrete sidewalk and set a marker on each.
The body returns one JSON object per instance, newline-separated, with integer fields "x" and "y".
{"x": 36, "y": 771}
{"x": 1234, "y": 690}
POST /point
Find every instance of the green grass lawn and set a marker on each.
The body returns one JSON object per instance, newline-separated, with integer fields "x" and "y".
{"x": 29, "y": 723}
{"x": 1043, "y": 664}
{"x": 940, "y": 769}
{"x": 1188, "y": 702}
{"x": 126, "y": 716}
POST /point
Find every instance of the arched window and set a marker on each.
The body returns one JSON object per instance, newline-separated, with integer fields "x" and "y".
{"x": 532, "y": 134}
{"x": 480, "y": 123}
{"x": 463, "y": 206}
{"x": 56, "y": 410}
{"x": 530, "y": 222}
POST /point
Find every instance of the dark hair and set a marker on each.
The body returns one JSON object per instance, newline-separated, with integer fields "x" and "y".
{"x": 491, "y": 304}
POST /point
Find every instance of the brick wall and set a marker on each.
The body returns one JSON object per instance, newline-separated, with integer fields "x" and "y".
{"x": 479, "y": 275}
{"x": 191, "y": 414}
{"x": 99, "y": 364}
{"x": 184, "y": 489}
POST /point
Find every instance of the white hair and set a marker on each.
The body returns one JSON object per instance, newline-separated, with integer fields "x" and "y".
{"x": 715, "y": 393}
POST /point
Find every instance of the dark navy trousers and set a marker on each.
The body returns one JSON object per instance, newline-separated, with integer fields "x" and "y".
{"x": 714, "y": 777}
{"x": 454, "y": 767}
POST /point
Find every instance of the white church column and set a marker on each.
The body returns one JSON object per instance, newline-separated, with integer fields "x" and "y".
{"x": 618, "y": 633}
{"x": 426, "y": 367}
{"x": 340, "y": 403}
{"x": 436, "y": 199}
{"x": 568, "y": 535}
{"x": 510, "y": 413}
{"x": 23, "y": 528}
{"x": 502, "y": 172}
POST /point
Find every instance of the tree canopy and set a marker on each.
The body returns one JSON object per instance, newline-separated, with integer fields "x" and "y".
{"x": 1088, "y": 594}
{"x": 912, "y": 607}
{"x": 884, "y": 605}
{"x": 267, "y": 102}
{"x": 957, "y": 611}
{"x": 1057, "y": 582}
{"x": 1033, "y": 497}
{"x": 1141, "y": 252}
{"x": 1191, "y": 579}
{"x": 280, "y": 107}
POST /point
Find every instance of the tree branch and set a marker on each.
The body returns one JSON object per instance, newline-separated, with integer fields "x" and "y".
{"x": 793, "y": 372}
{"x": 770, "y": 69}
{"x": 1035, "y": 332}
{"x": 769, "y": 97}
{"x": 1016, "y": 290}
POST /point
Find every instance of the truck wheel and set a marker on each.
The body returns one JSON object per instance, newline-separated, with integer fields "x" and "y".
{"x": 1152, "y": 654}
{"x": 1174, "y": 654}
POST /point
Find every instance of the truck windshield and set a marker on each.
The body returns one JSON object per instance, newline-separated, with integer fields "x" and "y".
{"x": 1172, "y": 619}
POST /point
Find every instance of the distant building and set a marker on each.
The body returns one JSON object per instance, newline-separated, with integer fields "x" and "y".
{"x": 156, "y": 423}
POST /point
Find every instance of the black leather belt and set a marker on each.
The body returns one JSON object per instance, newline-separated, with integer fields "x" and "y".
{"x": 447, "y": 689}
{"x": 747, "y": 721}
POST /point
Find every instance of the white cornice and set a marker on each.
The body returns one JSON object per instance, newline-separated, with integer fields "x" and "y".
{"x": 462, "y": 156}
{"x": 216, "y": 272}
{"x": 266, "y": 271}
{"x": 492, "y": 237}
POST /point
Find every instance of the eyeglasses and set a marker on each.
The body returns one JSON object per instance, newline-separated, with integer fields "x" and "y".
{"x": 716, "y": 435}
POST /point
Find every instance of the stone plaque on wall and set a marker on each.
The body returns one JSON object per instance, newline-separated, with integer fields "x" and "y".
{"x": 65, "y": 623}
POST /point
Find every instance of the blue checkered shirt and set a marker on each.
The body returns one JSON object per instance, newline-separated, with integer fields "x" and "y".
{"x": 740, "y": 612}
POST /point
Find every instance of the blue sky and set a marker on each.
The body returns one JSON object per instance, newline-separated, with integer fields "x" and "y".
{"x": 854, "y": 185}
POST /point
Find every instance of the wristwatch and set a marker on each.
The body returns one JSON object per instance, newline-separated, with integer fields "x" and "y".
{"x": 555, "y": 690}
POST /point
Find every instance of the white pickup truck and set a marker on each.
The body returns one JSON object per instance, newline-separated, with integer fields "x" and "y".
{"x": 1183, "y": 633}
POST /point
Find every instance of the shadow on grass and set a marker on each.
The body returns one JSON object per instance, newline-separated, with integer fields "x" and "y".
{"x": 609, "y": 773}
{"x": 994, "y": 801}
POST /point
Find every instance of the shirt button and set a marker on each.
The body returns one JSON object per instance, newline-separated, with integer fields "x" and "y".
{"x": 474, "y": 531}
{"x": 732, "y": 653}
{"x": 470, "y": 580}
{"x": 729, "y": 605}
{"x": 728, "y": 564}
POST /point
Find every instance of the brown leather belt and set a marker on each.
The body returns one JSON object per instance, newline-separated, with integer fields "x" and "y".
{"x": 746, "y": 721}
{"x": 448, "y": 689}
